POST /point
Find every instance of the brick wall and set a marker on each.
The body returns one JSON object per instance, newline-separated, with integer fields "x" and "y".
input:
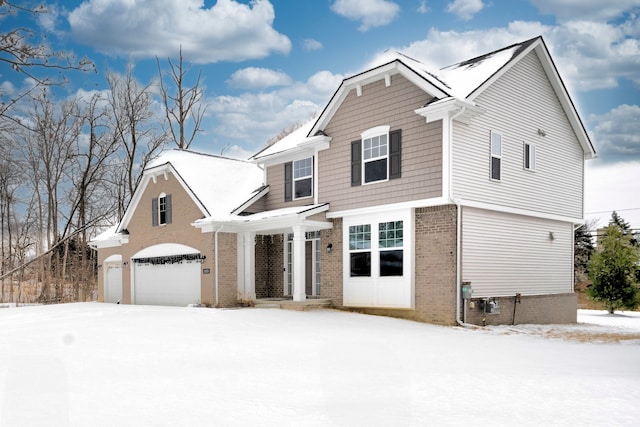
{"x": 228, "y": 274}
{"x": 541, "y": 309}
{"x": 331, "y": 263}
{"x": 269, "y": 266}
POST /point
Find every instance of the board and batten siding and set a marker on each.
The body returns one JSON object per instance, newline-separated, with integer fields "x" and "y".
{"x": 380, "y": 105}
{"x": 518, "y": 104}
{"x": 504, "y": 254}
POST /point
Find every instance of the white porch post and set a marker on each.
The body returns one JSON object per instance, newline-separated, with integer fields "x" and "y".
{"x": 249, "y": 267}
{"x": 299, "y": 264}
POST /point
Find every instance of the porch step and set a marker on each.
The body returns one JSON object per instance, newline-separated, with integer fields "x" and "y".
{"x": 289, "y": 304}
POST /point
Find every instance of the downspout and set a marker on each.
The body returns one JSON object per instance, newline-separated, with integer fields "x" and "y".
{"x": 459, "y": 321}
{"x": 215, "y": 261}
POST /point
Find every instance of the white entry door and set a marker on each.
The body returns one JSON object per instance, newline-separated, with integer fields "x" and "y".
{"x": 113, "y": 283}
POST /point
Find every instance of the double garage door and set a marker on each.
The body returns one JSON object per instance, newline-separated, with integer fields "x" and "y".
{"x": 166, "y": 275}
{"x": 167, "y": 284}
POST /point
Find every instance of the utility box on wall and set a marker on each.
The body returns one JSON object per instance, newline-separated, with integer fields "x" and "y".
{"x": 466, "y": 290}
{"x": 490, "y": 306}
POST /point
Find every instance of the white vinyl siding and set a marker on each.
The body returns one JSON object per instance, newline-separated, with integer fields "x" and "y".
{"x": 504, "y": 254}
{"x": 518, "y": 104}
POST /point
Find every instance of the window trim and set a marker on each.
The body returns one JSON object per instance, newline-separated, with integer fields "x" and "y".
{"x": 497, "y": 156}
{"x": 370, "y": 134}
{"x": 529, "y": 149}
{"x": 294, "y": 179}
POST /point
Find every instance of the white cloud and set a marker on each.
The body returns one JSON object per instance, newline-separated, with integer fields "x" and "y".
{"x": 422, "y": 8}
{"x": 311, "y": 44}
{"x": 465, "y": 9}
{"x": 250, "y": 119}
{"x": 610, "y": 187}
{"x": 226, "y": 31}
{"x": 370, "y": 13}
{"x": 617, "y": 134}
{"x": 592, "y": 10}
{"x": 7, "y": 88}
{"x": 258, "y": 78}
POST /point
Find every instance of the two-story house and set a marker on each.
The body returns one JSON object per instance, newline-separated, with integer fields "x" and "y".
{"x": 441, "y": 197}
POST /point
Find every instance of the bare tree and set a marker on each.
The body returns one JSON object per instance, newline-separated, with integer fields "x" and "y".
{"x": 138, "y": 133}
{"x": 183, "y": 107}
{"x": 26, "y": 51}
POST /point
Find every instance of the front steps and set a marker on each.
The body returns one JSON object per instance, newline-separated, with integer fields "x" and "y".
{"x": 289, "y": 304}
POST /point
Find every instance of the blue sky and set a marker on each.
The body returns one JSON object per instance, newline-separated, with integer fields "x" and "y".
{"x": 268, "y": 64}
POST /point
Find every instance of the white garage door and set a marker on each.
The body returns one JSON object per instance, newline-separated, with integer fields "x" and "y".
{"x": 167, "y": 284}
{"x": 113, "y": 283}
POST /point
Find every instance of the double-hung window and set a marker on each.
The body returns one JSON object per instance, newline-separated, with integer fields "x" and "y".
{"x": 298, "y": 179}
{"x": 161, "y": 210}
{"x": 529, "y": 157}
{"x": 302, "y": 178}
{"x": 496, "y": 156}
{"x": 377, "y": 156}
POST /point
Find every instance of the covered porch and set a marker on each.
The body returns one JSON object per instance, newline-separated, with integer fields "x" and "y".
{"x": 296, "y": 231}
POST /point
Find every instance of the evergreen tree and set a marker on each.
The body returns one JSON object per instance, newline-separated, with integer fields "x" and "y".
{"x": 618, "y": 221}
{"x": 612, "y": 271}
{"x": 583, "y": 249}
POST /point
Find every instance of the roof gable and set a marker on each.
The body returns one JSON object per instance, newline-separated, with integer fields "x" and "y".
{"x": 217, "y": 185}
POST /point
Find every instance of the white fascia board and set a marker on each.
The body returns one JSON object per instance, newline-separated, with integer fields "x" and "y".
{"x": 112, "y": 242}
{"x": 422, "y": 203}
{"x": 251, "y": 200}
{"x": 517, "y": 211}
{"x": 445, "y": 108}
{"x": 149, "y": 175}
{"x": 307, "y": 148}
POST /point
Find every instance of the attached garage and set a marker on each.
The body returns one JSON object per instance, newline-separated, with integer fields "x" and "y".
{"x": 112, "y": 267}
{"x": 166, "y": 274}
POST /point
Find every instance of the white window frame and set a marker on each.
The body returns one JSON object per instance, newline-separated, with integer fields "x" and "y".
{"x": 495, "y": 154}
{"x": 371, "y": 134}
{"x": 301, "y": 178}
{"x": 162, "y": 201}
{"x": 529, "y": 149}
{"x": 377, "y": 290}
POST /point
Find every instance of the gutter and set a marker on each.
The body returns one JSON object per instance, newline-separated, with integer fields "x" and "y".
{"x": 458, "y": 204}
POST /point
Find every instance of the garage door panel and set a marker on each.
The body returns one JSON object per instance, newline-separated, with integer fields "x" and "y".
{"x": 175, "y": 284}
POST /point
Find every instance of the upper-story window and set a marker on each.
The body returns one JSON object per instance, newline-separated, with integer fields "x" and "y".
{"x": 161, "y": 209}
{"x": 303, "y": 178}
{"x": 298, "y": 179}
{"x": 496, "y": 156}
{"x": 529, "y": 156}
{"x": 377, "y": 156}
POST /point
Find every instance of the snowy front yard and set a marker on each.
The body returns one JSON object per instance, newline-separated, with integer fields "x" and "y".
{"x": 97, "y": 364}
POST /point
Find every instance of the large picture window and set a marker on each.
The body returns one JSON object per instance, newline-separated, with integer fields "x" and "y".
{"x": 360, "y": 250}
{"x": 390, "y": 238}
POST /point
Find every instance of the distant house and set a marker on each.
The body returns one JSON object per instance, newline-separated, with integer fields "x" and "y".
{"x": 441, "y": 197}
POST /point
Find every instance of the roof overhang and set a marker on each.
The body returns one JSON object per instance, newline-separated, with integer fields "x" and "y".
{"x": 307, "y": 147}
{"x": 110, "y": 240}
{"x": 383, "y": 72}
{"x": 460, "y": 110}
{"x": 277, "y": 221}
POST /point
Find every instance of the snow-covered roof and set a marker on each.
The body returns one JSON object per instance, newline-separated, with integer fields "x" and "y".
{"x": 465, "y": 77}
{"x": 221, "y": 184}
{"x": 288, "y": 142}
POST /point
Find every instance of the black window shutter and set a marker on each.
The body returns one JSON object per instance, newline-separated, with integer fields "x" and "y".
{"x": 288, "y": 181}
{"x": 395, "y": 154}
{"x": 167, "y": 200}
{"x": 154, "y": 211}
{"x": 356, "y": 163}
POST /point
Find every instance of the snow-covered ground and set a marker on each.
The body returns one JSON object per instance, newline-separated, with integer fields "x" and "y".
{"x": 94, "y": 364}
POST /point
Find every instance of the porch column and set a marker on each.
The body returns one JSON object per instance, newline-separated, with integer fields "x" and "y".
{"x": 249, "y": 266}
{"x": 299, "y": 239}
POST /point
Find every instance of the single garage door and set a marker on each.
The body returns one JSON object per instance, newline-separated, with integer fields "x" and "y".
{"x": 167, "y": 279}
{"x": 113, "y": 279}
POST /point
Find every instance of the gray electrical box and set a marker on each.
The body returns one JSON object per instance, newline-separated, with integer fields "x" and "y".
{"x": 491, "y": 306}
{"x": 466, "y": 290}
